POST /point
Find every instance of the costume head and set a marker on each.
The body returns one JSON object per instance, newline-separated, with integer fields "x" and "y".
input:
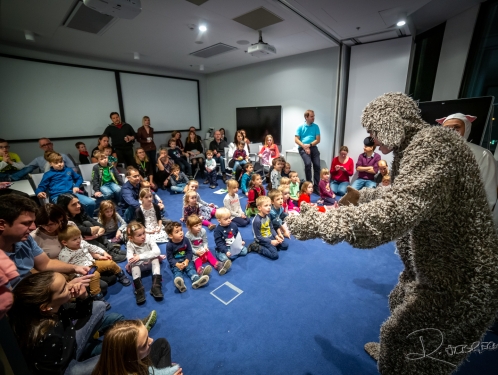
{"x": 388, "y": 116}
{"x": 466, "y": 119}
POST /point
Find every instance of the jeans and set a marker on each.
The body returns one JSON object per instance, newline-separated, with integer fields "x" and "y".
{"x": 219, "y": 159}
{"x": 82, "y": 368}
{"x": 84, "y": 333}
{"x": 339, "y": 187}
{"x": 270, "y": 251}
{"x": 311, "y": 160}
{"x": 185, "y": 166}
{"x": 19, "y": 175}
{"x": 241, "y": 222}
{"x": 110, "y": 190}
{"x": 212, "y": 177}
{"x": 189, "y": 270}
{"x": 87, "y": 202}
{"x": 222, "y": 257}
{"x": 360, "y": 183}
{"x": 178, "y": 188}
{"x": 129, "y": 214}
{"x": 238, "y": 164}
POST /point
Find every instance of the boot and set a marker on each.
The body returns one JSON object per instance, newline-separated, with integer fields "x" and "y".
{"x": 204, "y": 270}
{"x": 123, "y": 279}
{"x": 139, "y": 291}
{"x": 155, "y": 291}
{"x": 222, "y": 267}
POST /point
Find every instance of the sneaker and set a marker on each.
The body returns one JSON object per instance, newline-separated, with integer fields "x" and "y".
{"x": 223, "y": 267}
{"x": 204, "y": 270}
{"x": 180, "y": 285}
{"x": 253, "y": 247}
{"x": 199, "y": 281}
{"x": 212, "y": 186}
{"x": 150, "y": 320}
{"x": 123, "y": 279}
{"x": 211, "y": 226}
{"x": 206, "y": 181}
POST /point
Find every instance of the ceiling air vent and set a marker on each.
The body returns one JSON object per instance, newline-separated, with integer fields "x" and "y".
{"x": 215, "y": 49}
{"x": 85, "y": 19}
{"x": 197, "y": 2}
{"x": 258, "y": 18}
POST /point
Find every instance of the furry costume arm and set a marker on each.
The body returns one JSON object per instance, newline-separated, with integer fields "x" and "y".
{"x": 425, "y": 170}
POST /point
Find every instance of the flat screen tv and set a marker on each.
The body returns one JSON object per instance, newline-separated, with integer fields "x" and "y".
{"x": 481, "y": 107}
{"x": 260, "y": 121}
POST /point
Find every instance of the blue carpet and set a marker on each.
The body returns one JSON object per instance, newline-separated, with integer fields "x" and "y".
{"x": 309, "y": 312}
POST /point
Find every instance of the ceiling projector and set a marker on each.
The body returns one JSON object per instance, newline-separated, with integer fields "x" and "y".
{"x": 261, "y": 48}
{"x": 127, "y": 9}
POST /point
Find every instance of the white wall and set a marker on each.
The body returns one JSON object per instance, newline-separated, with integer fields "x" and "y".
{"x": 297, "y": 83}
{"x": 454, "y": 50}
{"x": 29, "y": 150}
{"x": 375, "y": 69}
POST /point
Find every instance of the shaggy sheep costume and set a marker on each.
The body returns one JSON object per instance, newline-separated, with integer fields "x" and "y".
{"x": 436, "y": 210}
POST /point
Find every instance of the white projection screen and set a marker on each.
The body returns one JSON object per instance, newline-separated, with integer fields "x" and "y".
{"x": 171, "y": 103}
{"x": 40, "y": 99}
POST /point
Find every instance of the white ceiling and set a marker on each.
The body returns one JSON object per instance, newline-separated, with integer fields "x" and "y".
{"x": 161, "y": 35}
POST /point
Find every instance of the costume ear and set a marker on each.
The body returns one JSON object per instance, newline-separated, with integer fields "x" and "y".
{"x": 471, "y": 118}
{"x": 440, "y": 120}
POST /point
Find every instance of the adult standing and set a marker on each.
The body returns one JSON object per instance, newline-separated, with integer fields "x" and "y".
{"x": 307, "y": 137}
{"x": 40, "y": 162}
{"x": 122, "y": 136}
{"x": 341, "y": 170}
{"x": 145, "y": 136}
{"x": 102, "y": 144}
{"x": 10, "y": 162}
{"x": 218, "y": 145}
{"x": 446, "y": 241}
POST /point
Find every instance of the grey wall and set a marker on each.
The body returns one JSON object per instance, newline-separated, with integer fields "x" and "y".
{"x": 297, "y": 83}
{"x": 375, "y": 69}
{"x": 29, "y": 150}
{"x": 456, "y": 43}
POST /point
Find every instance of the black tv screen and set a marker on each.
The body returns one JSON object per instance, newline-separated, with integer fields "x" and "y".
{"x": 258, "y": 122}
{"x": 479, "y": 107}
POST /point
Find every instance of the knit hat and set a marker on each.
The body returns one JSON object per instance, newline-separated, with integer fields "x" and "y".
{"x": 466, "y": 119}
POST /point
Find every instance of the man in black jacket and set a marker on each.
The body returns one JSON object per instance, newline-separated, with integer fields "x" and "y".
{"x": 218, "y": 147}
{"x": 123, "y": 137}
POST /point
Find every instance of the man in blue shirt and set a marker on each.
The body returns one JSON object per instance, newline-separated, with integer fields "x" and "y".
{"x": 307, "y": 137}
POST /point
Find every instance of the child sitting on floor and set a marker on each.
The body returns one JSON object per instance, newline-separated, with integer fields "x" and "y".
{"x": 327, "y": 196}
{"x": 191, "y": 207}
{"x": 197, "y": 236}
{"x": 305, "y": 196}
{"x": 80, "y": 253}
{"x": 232, "y": 203}
{"x": 286, "y": 171}
{"x": 207, "y": 209}
{"x": 256, "y": 190}
{"x": 277, "y": 214}
{"x": 149, "y": 215}
{"x": 285, "y": 181}
{"x": 246, "y": 178}
{"x": 287, "y": 203}
{"x": 177, "y": 180}
{"x": 275, "y": 175}
{"x": 179, "y": 254}
{"x": 143, "y": 254}
{"x": 294, "y": 186}
{"x": 267, "y": 241}
{"x": 112, "y": 222}
{"x": 224, "y": 235}
{"x": 386, "y": 181}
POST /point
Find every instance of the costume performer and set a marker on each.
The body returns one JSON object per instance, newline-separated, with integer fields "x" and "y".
{"x": 437, "y": 212}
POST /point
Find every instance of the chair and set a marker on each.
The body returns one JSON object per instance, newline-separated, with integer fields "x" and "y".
{"x": 227, "y": 168}
{"x": 35, "y": 179}
{"x": 86, "y": 173}
{"x": 254, "y": 149}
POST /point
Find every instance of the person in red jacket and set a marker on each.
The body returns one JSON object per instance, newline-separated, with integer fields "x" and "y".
{"x": 342, "y": 168}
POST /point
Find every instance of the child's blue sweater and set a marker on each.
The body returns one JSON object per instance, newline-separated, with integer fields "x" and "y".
{"x": 56, "y": 183}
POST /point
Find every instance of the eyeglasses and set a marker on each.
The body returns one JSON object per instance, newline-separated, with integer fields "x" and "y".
{"x": 5, "y": 147}
{"x": 46, "y": 144}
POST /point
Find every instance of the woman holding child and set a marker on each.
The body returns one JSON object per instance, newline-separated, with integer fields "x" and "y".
{"x": 103, "y": 143}
{"x": 341, "y": 170}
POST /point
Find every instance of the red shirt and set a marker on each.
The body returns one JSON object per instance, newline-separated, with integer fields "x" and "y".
{"x": 273, "y": 150}
{"x": 306, "y": 198}
{"x": 340, "y": 175}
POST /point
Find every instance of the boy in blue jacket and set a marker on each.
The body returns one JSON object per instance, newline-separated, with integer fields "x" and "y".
{"x": 225, "y": 234}
{"x": 59, "y": 180}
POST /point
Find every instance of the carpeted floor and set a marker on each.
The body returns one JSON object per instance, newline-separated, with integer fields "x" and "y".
{"x": 309, "y": 312}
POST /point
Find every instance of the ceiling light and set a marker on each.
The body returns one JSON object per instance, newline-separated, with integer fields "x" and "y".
{"x": 201, "y": 67}
{"x": 401, "y": 23}
{"x": 202, "y": 28}
{"x": 29, "y": 35}
{"x": 136, "y": 56}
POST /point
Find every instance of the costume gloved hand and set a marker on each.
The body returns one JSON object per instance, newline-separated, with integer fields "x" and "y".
{"x": 352, "y": 197}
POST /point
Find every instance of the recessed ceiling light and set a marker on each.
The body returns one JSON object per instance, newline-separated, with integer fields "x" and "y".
{"x": 201, "y": 67}
{"x": 243, "y": 42}
{"x": 29, "y": 35}
{"x": 136, "y": 56}
{"x": 401, "y": 23}
{"x": 202, "y": 28}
